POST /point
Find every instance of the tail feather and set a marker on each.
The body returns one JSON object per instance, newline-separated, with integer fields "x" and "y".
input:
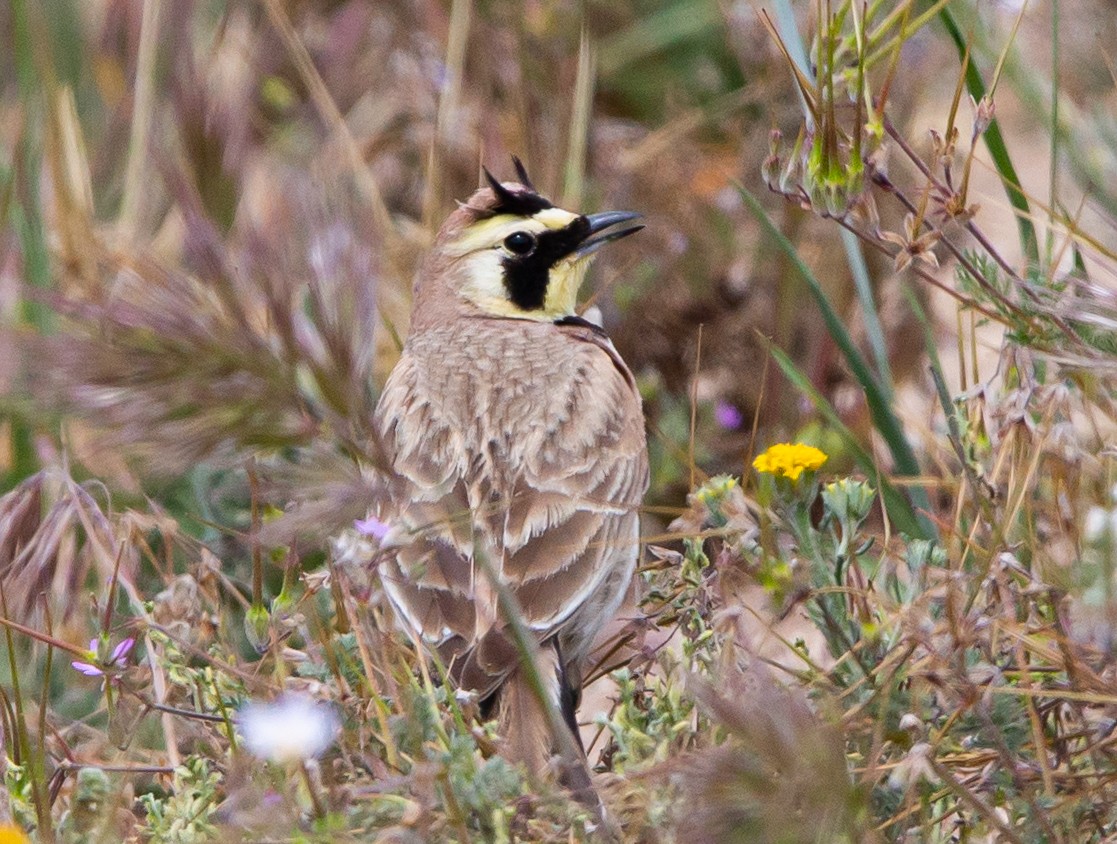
{"x": 522, "y": 720}
{"x": 526, "y": 727}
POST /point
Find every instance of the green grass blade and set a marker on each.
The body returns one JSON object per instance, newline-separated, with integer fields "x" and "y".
{"x": 876, "y": 397}
{"x": 23, "y": 207}
{"x": 789, "y": 31}
{"x": 855, "y": 257}
{"x": 655, "y": 33}
{"x": 1053, "y": 160}
{"x": 995, "y": 143}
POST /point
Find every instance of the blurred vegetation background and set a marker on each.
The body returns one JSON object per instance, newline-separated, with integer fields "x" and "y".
{"x": 211, "y": 214}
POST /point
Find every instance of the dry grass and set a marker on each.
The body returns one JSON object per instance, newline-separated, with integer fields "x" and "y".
{"x": 210, "y": 216}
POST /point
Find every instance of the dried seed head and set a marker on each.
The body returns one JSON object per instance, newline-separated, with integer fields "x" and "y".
{"x": 984, "y": 114}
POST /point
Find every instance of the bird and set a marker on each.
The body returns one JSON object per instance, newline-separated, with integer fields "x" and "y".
{"x": 514, "y": 437}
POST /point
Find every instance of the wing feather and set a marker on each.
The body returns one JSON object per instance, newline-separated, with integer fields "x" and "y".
{"x": 526, "y": 445}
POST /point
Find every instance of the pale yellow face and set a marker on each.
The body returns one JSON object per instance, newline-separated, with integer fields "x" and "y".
{"x": 484, "y": 252}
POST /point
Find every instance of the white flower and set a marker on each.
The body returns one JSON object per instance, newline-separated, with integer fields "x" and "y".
{"x": 1101, "y": 525}
{"x": 914, "y": 767}
{"x": 911, "y": 723}
{"x": 291, "y": 728}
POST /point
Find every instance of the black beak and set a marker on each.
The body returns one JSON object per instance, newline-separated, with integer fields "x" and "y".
{"x": 600, "y": 222}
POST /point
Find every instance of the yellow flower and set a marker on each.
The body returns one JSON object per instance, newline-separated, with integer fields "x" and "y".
{"x": 789, "y": 460}
{"x": 12, "y": 834}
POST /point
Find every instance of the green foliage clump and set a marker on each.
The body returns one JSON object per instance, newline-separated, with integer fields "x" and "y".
{"x": 187, "y": 814}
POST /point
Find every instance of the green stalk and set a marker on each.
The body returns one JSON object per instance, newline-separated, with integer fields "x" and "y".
{"x": 33, "y": 756}
{"x": 1053, "y": 173}
{"x": 26, "y": 215}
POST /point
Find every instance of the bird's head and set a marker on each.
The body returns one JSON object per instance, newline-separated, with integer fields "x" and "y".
{"x": 509, "y": 252}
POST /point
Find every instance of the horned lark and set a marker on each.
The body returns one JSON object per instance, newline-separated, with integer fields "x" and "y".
{"x": 516, "y": 438}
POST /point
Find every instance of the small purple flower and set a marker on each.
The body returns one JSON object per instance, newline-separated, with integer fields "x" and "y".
{"x": 272, "y": 799}
{"x": 121, "y": 650}
{"x": 727, "y": 415}
{"x": 88, "y": 669}
{"x": 372, "y": 527}
{"x": 93, "y": 669}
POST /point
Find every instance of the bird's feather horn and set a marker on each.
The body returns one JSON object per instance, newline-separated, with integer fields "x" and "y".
{"x": 503, "y": 194}
{"x": 521, "y": 174}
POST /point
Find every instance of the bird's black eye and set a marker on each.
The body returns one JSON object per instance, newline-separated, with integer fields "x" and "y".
{"x": 519, "y": 243}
